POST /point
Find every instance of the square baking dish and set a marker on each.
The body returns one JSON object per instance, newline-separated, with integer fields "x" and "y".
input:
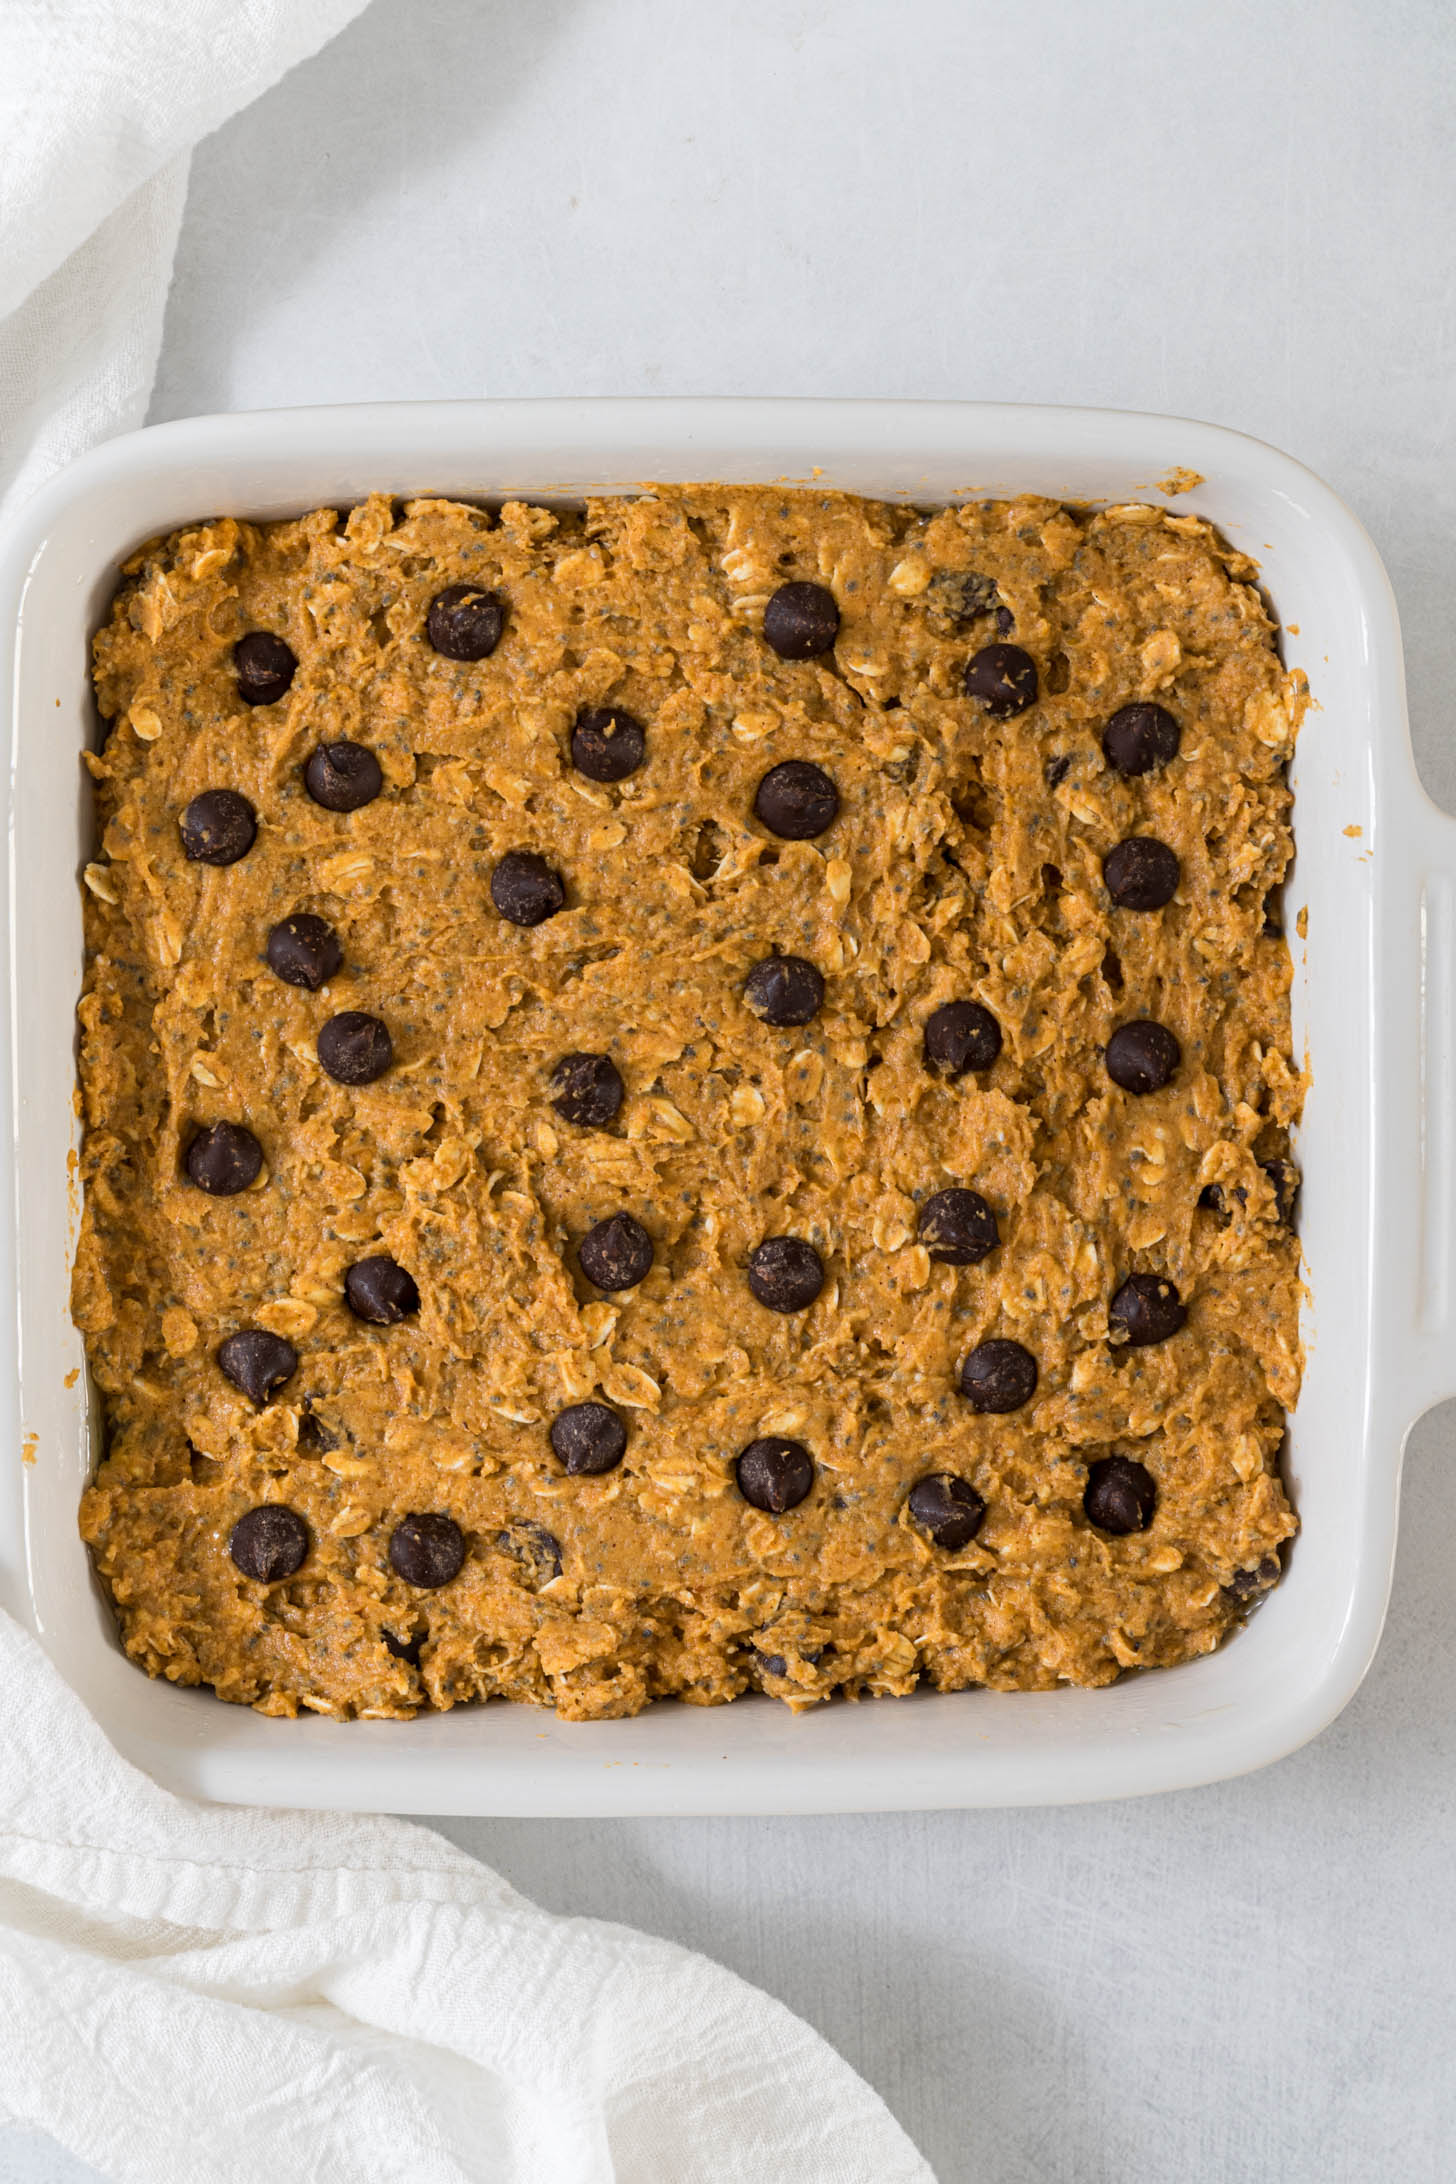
{"x": 1373, "y": 888}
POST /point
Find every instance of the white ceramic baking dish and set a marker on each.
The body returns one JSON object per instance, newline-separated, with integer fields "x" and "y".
{"x": 1374, "y": 1002}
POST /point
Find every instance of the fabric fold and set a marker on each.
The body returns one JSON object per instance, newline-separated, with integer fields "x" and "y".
{"x": 197, "y": 1990}
{"x": 101, "y": 102}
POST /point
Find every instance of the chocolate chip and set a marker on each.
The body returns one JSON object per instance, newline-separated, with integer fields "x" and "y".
{"x": 380, "y": 1291}
{"x": 777, "y": 1664}
{"x": 1146, "y": 1309}
{"x": 960, "y": 1036}
{"x": 525, "y": 889}
{"x": 257, "y": 1362}
{"x": 313, "y": 1434}
{"x": 796, "y": 801}
{"x": 224, "y": 1159}
{"x": 958, "y": 1227}
{"x": 589, "y": 1439}
{"x": 1121, "y": 1495}
{"x": 616, "y": 1254}
{"x": 343, "y": 776}
{"x": 774, "y": 1474}
{"x": 1284, "y": 1180}
{"x": 1002, "y": 678}
{"x": 265, "y": 667}
{"x": 537, "y": 1550}
{"x": 426, "y": 1549}
{"x": 954, "y": 598}
{"x": 1139, "y": 738}
{"x": 998, "y": 1376}
{"x": 607, "y": 744}
{"x": 1057, "y": 770}
{"x": 784, "y": 989}
{"x": 355, "y": 1048}
{"x": 304, "y": 951}
{"x": 948, "y": 1508}
{"x": 785, "y": 1273}
{"x": 465, "y": 621}
{"x": 269, "y": 1543}
{"x": 1142, "y": 873}
{"x": 1006, "y": 623}
{"x": 587, "y": 1089}
{"x": 1244, "y": 1583}
{"x": 1142, "y": 1056}
{"x": 218, "y": 827}
{"x": 801, "y": 621}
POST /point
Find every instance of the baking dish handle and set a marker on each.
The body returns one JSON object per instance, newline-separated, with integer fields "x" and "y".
{"x": 1433, "y": 1362}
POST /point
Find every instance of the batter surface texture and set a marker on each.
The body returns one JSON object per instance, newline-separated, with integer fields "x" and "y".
{"x": 687, "y": 1097}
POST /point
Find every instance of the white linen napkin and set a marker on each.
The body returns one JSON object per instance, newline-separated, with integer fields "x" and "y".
{"x": 101, "y": 102}
{"x": 195, "y": 1991}
{"x": 192, "y": 1991}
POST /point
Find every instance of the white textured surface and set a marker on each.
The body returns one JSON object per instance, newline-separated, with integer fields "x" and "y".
{"x": 1236, "y": 211}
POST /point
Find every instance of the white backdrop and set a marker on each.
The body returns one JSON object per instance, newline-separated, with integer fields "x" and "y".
{"x": 1245, "y": 212}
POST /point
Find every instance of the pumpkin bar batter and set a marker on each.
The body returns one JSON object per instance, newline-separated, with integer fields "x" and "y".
{"x": 687, "y": 1097}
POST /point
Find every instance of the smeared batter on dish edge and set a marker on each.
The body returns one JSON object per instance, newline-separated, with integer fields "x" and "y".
{"x": 598, "y": 756}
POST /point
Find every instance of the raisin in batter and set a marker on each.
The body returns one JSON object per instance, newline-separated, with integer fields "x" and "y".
{"x": 687, "y": 1097}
